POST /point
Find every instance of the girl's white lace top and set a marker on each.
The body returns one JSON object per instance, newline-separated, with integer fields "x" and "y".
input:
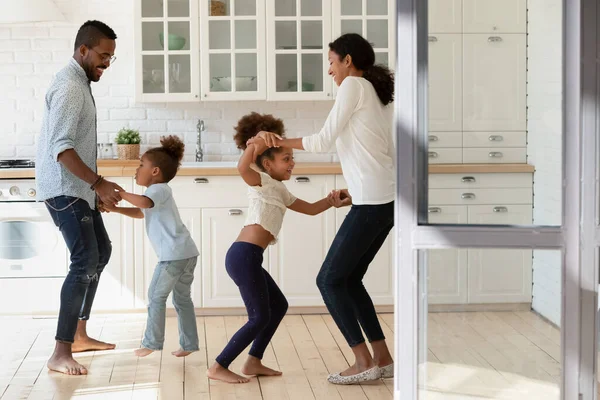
{"x": 268, "y": 203}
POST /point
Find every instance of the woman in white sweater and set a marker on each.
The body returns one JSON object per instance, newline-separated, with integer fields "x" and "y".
{"x": 359, "y": 125}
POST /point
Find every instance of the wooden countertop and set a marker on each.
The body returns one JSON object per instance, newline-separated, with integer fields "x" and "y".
{"x": 127, "y": 168}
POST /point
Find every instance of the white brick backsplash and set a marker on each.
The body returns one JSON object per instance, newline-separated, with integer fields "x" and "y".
{"x": 24, "y": 139}
{"x": 121, "y": 90}
{"x": 181, "y": 125}
{"x": 165, "y": 114}
{"x": 28, "y": 32}
{"x": 111, "y": 127}
{"x": 4, "y": 33}
{"x": 14, "y": 69}
{"x": 25, "y": 152}
{"x": 149, "y": 126}
{"x": 34, "y": 81}
{"x": 9, "y": 151}
{"x": 50, "y": 44}
{"x": 6, "y": 57}
{"x": 112, "y": 102}
{"x": 33, "y": 57}
{"x": 15, "y": 45}
{"x": 128, "y": 114}
{"x": 63, "y": 55}
{"x": 207, "y": 114}
{"x": 28, "y": 127}
{"x": 7, "y": 81}
{"x": 6, "y": 127}
{"x": 544, "y": 144}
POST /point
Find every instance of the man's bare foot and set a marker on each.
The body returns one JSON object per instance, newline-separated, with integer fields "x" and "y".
{"x": 181, "y": 353}
{"x": 143, "y": 352}
{"x": 218, "y": 373}
{"x": 66, "y": 365}
{"x": 86, "y": 343}
{"x": 254, "y": 366}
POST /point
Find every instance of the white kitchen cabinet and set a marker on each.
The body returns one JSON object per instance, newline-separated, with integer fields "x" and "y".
{"x": 494, "y": 74}
{"x": 303, "y": 243}
{"x": 500, "y": 275}
{"x": 220, "y": 228}
{"x": 167, "y": 60}
{"x": 445, "y": 16}
{"x": 445, "y": 140}
{"x": 445, "y": 156}
{"x": 298, "y": 32}
{"x": 494, "y": 16}
{"x": 447, "y": 268}
{"x": 379, "y": 279}
{"x": 445, "y": 82}
{"x": 374, "y": 20}
{"x": 233, "y": 44}
{"x": 116, "y": 288}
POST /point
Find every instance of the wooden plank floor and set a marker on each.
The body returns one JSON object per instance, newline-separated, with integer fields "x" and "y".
{"x": 490, "y": 355}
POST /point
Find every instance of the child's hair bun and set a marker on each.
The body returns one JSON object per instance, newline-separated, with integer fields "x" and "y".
{"x": 173, "y": 146}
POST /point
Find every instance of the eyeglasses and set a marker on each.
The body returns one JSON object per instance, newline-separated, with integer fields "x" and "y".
{"x": 105, "y": 58}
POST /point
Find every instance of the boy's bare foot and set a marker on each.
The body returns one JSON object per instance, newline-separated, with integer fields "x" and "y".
{"x": 181, "y": 353}
{"x": 253, "y": 366}
{"x": 82, "y": 344}
{"x": 143, "y": 352}
{"x": 66, "y": 365}
{"x": 218, "y": 373}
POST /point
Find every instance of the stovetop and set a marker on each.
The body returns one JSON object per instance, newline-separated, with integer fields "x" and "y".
{"x": 6, "y": 164}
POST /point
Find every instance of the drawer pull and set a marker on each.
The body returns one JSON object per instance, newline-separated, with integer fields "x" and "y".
{"x": 434, "y": 210}
{"x": 468, "y": 179}
{"x": 432, "y": 39}
{"x": 302, "y": 179}
{"x": 493, "y": 39}
{"x": 496, "y": 154}
{"x": 200, "y": 180}
{"x": 433, "y": 154}
{"x": 500, "y": 209}
{"x": 433, "y": 138}
{"x": 468, "y": 196}
{"x": 496, "y": 138}
{"x": 235, "y": 211}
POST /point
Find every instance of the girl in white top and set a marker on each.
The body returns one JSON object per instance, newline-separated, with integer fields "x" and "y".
{"x": 269, "y": 200}
{"x": 359, "y": 125}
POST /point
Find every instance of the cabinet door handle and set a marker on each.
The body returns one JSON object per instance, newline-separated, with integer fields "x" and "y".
{"x": 235, "y": 211}
{"x": 495, "y": 154}
{"x": 433, "y": 154}
{"x": 432, "y": 39}
{"x": 492, "y": 39}
{"x": 468, "y": 196}
{"x": 496, "y": 138}
{"x": 500, "y": 209}
{"x": 200, "y": 180}
{"x": 302, "y": 179}
{"x": 433, "y": 138}
{"x": 468, "y": 179}
{"x": 434, "y": 210}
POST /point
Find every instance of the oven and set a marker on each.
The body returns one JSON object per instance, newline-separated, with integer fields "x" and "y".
{"x": 30, "y": 244}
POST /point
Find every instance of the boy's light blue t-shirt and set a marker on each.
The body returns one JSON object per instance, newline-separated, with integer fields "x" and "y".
{"x": 170, "y": 238}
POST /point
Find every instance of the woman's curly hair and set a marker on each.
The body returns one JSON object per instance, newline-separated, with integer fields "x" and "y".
{"x": 249, "y": 125}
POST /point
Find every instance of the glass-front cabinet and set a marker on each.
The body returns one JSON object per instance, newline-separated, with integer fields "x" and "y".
{"x": 167, "y": 56}
{"x": 233, "y": 50}
{"x": 202, "y": 50}
{"x": 298, "y": 34}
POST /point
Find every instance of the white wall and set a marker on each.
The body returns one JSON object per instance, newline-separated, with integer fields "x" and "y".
{"x": 544, "y": 96}
{"x": 31, "y": 54}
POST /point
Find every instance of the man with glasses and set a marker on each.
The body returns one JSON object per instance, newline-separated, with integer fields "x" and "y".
{"x": 67, "y": 181}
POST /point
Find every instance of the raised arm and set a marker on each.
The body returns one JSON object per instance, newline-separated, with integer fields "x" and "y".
{"x": 249, "y": 175}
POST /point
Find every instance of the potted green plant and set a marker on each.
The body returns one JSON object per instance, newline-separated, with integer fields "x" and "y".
{"x": 128, "y": 144}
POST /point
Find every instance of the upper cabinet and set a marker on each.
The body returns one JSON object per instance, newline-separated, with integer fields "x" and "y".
{"x": 494, "y": 16}
{"x": 445, "y": 16}
{"x": 202, "y": 50}
{"x": 167, "y": 57}
{"x": 298, "y": 32}
{"x": 233, "y": 44}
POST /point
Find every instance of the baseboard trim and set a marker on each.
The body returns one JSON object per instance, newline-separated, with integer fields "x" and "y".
{"x": 479, "y": 307}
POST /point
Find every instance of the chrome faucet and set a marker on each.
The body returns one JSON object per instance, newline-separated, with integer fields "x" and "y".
{"x": 199, "y": 153}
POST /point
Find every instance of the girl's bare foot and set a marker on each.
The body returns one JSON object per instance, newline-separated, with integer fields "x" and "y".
{"x": 253, "y": 366}
{"x": 66, "y": 365}
{"x": 143, "y": 352}
{"x": 181, "y": 353}
{"x": 218, "y": 373}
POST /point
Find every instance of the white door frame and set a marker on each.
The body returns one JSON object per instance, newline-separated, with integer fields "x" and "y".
{"x": 578, "y": 237}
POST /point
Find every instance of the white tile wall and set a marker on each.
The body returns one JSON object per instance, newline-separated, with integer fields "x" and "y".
{"x": 544, "y": 96}
{"x": 31, "y": 54}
